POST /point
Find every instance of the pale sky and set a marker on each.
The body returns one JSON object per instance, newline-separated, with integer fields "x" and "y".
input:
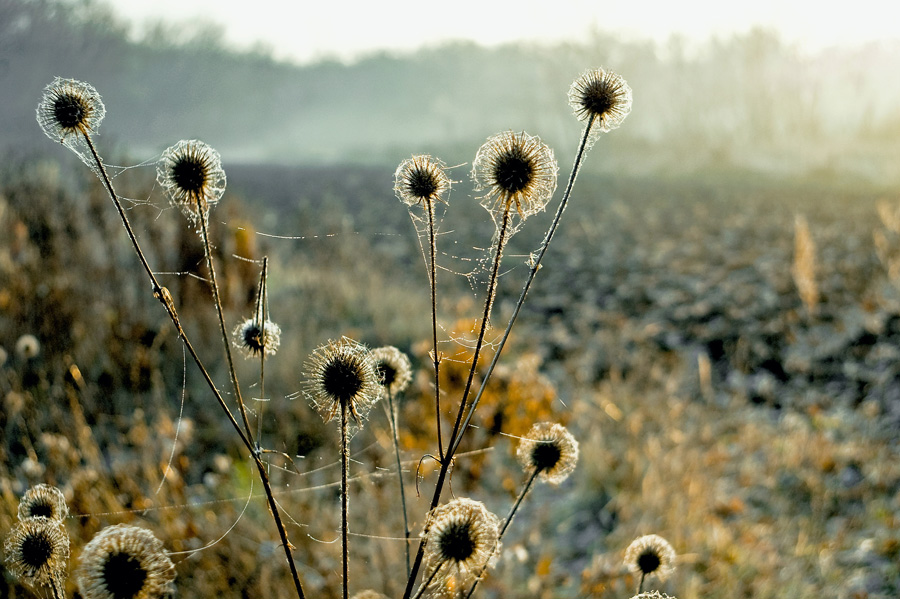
{"x": 306, "y": 30}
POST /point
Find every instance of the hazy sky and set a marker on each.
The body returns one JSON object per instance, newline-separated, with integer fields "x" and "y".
{"x": 305, "y": 30}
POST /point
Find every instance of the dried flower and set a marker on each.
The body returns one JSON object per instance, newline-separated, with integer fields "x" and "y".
{"x": 253, "y": 339}
{"x": 125, "y": 562}
{"x": 462, "y": 539}
{"x": 514, "y": 169}
{"x": 393, "y": 369}
{"x": 43, "y": 501}
{"x": 650, "y": 554}
{"x": 28, "y": 347}
{"x": 421, "y": 179}
{"x": 69, "y": 108}
{"x": 190, "y": 173}
{"x": 37, "y": 551}
{"x": 551, "y": 450}
{"x": 602, "y": 96}
{"x": 342, "y": 372}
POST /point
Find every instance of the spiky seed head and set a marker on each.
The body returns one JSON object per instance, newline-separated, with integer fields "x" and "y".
{"x": 603, "y": 96}
{"x": 393, "y": 368}
{"x": 37, "y": 551}
{"x": 125, "y": 562}
{"x": 43, "y": 501}
{"x": 191, "y": 175}
{"x": 650, "y": 554}
{"x": 549, "y": 449}
{"x": 342, "y": 372}
{"x": 462, "y": 539}
{"x": 69, "y": 108}
{"x": 653, "y": 595}
{"x": 28, "y": 347}
{"x": 253, "y": 338}
{"x": 515, "y": 171}
{"x": 421, "y": 180}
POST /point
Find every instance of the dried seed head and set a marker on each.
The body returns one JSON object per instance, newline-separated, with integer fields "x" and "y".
{"x": 393, "y": 369}
{"x": 515, "y": 170}
{"x": 37, "y": 551}
{"x": 342, "y": 372}
{"x": 421, "y": 179}
{"x": 650, "y": 554}
{"x": 551, "y": 450}
{"x": 602, "y": 96}
{"x": 68, "y": 109}
{"x": 369, "y": 594}
{"x": 653, "y": 595}
{"x": 28, "y": 347}
{"x": 191, "y": 174}
{"x": 125, "y": 562}
{"x": 253, "y": 338}
{"x": 462, "y": 539}
{"x": 43, "y": 501}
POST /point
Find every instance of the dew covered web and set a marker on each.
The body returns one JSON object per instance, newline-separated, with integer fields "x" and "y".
{"x": 342, "y": 261}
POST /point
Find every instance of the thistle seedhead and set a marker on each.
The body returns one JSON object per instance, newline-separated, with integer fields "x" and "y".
{"x": 342, "y": 373}
{"x": 37, "y": 551}
{"x": 125, "y": 562}
{"x": 393, "y": 368}
{"x": 253, "y": 337}
{"x": 650, "y": 554}
{"x": 601, "y": 97}
{"x": 191, "y": 174}
{"x": 69, "y": 109}
{"x": 462, "y": 539}
{"x": 43, "y": 501}
{"x": 550, "y": 450}
{"x": 421, "y": 180}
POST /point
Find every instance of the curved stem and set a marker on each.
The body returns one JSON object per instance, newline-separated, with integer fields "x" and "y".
{"x": 536, "y": 265}
{"x": 163, "y": 295}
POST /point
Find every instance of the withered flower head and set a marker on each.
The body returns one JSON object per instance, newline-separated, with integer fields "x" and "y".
{"x": 393, "y": 368}
{"x": 462, "y": 539}
{"x": 421, "y": 179}
{"x": 650, "y": 554}
{"x": 43, "y": 501}
{"x": 37, "y": 551}
{"x": 342, "y": 372}
{"x": 514, "y": 170}
{"x": 602, "y": 96}
{"x": 125, "y": 562}
{"x": 191, "y": 174}
{"x": 550, "y": 450}
{"x": 69, "y": 108}
{"x": 253, "y": 338}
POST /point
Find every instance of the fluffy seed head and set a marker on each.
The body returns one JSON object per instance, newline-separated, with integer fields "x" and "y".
{"x": 43, "y": 501}
{"x": 253, "y": 338}
{"x": 603, "y": 96}
{"x": 69, "y": 108}
{"x": 650, "y": 554}
{"x": 342, "y": 372}
{"x": 191, "y": 174}
{"x": 551, "y": 450}
{"x": 420, "y": 180}
{"x": 125, "y": 562}
{"x": 28, "y": 347}
{"x": 653, "y": 595}
{"x": 514, "y": 170}
{"x": 393, "y": 369}
{"x": 369, "y": 594}
{"x": 37, "y": 551}
{"x": 462, "y": 539}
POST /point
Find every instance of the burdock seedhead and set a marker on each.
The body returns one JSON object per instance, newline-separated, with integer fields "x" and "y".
{"x": 125, "y": 562}
{"x": 549, "y": 449}
{"x": 421, "y": 179}
{"x": 69, "y": 108}
{"x": 393, "y": 368}
{"x": 462, "y": 539}
{"x": 191, "y": 174}
{"x": 43, "y": 501}
{"x": 342, "y": 372}
{"x": 650, "y": 554}
{"x": 602, "y": 96}
{"x": 253, "y": 338}
{"x": 514, "y": 170}
{"x": 37, "y": 551}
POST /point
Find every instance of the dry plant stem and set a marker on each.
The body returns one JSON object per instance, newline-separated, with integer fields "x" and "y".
{"x": 448, "y": 458}
{"x": 392, "y": 413}
{"x": 263, "y": 309}
{"x": 641, "y": 585}
{"x": 579, "y": 159}
{"x": 56, "y": 592}
{"x": 432, "y": 279}
{"x": 430, "y": 578}
{"x": 345, "y": 499}
{"x": 162, "y": 294}
{"x": 506, "y": 523}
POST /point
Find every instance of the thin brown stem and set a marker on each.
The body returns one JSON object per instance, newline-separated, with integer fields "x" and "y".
{"x": 432, "y": 279}
{"x": 262, "y": 311}
{"x": 163, "y": 295}
{"x": 345, "y": 498}
{"x": 392, "y": 414}
{"x": 429, "y": 579}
